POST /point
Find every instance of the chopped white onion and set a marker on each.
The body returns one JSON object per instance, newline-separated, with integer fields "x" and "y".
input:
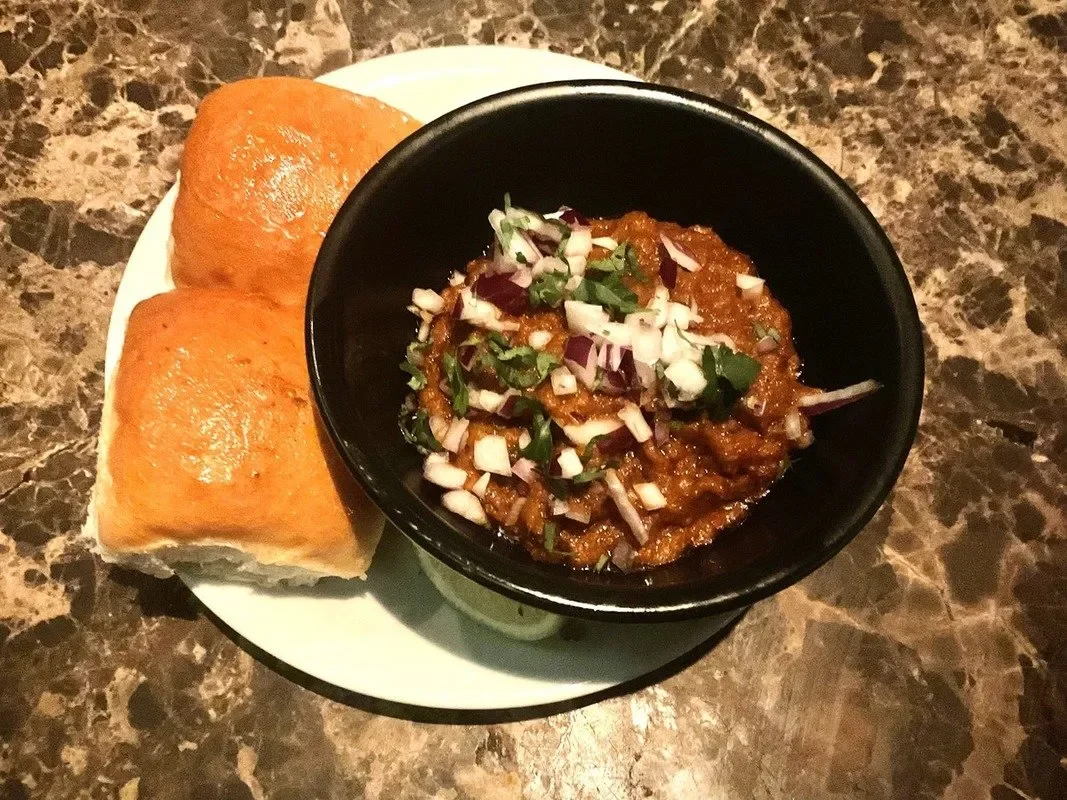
{"x": 681, "y": 315}
{"x": 647, "y": 345}
{"x": 626, "y": 508}
{"x": 438, "y": 427}
{"x": 456, "y": 434}
{"x": 525, "y": 470}
{"x": 428, "y": 300}
{"x": 481, "y": 486}
{"x": 559, "y": 507}
{"x": 522, "y": 277}
{"x": 713, "y": 339}
{"x": 661, "y": 296}
{"x": 579, "y": 243}
{"x": 635, "y": 420}
{"x": 675, "y": 347}
{"x": 751, "y": 287}
{"x": 482, "y": 313}
{"x": 436, "y": 458}
{"x": 683, "y": 259}
{"x": 688, "y": 377}
{"x": 563, "y": 382}
{"x": 549, "y": 264}
{"x": 616, "y": 333}
{"x": 456, "y": 279}
{"x": 572, "y": 283}
{"x": 794, "y": 426}
{"x": 520, "y": 249}
{"x": 524, "y": 440}
{"x": 576, "y": 264}
{"x": 464, "y": 503}
{"x": 605, "y": 242}
{"x": 650, "y": 496}
{"x": 569, "y": 462}
{"x": 424, "y": 331}
{"x": 491, "y": 455}
{"x": 539, "y": 339}
{"x": 444, "y": 474}
{"x": 584, "y": 317}
{"x": 583, "y": 433}
{"x": 486, "y": 400}
{"x": 642, "y": 319}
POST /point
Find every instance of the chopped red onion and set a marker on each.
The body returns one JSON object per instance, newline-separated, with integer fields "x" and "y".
{"x": 635, "y": 422}
{"x": 503, "y": 293}
{"x": 766, "y": 344}
{"x": 572, "y": 217}
{"x": 681, "y": 254}
{"x": 525, "y": 470}
{"x": 558, "y": 507}
{"x": 579, "y": 355}
{"x": 668, "y": 268}
{"x": 622, "y": 555}
{"x": 661, "y": 431}
{"x": 626, "y": 508}
{"x": 813, "y": 404}
{"x": 466, "y": 355}
{"x": 521, "y": 277}
{"x": 616, "y": 442}
{"x": 508, "y": 403}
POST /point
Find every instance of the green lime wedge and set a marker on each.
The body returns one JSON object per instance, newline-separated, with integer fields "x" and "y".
{"x": 502, "y": 614}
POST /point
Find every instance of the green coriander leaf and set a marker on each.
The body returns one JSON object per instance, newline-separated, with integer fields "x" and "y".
{"x": 547, "y": 289}
{"x": 539, "y": 449}
{"x": 675, "y": 425}
{"x": 602, "y": 562}
{"x": 517, "y": 367}
{"x": 587, "y": 476}
{"x": 549, "y": 531}
{"x": 623, "y": 260}
{"x": 609, "y": 291}
{"x": 456, "y": 382}
{"x": 728, "y": 375}
{"x": 415, "y": 425}
{"x": 711, "y": 397}
{"x": 737, "y": 368}
{"x": 412, "y": 365}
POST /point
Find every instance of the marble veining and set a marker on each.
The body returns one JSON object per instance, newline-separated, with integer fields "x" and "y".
{"x": 928, "y": 660}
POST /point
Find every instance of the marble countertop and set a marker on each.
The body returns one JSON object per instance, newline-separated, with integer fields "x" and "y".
{"x": 929, "y": 659}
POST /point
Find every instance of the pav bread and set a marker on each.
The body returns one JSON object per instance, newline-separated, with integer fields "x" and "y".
{"x": 210, "y": 450}
{"x": 266, "y": 166}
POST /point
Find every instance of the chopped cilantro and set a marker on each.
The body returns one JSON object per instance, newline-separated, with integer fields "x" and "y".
{"x": 415, "y": 425}
{"x": 623, "y": 260}
{"x": 728, "y": 375}
{"x": 762, "y": 332}
{"x": 602, "y": 562}
{"x": 454, "y": 376}
{"x": 587, "y": 476}
{"x": 412, "y": 365}
{"x": 517, "y": 367}
{"x": 540, "y": 447}
{"x": 675, "y": 425}
{"x": 547, "y": 289}
{"x": 549, "y": 531}
{"x": 607, "y": 290}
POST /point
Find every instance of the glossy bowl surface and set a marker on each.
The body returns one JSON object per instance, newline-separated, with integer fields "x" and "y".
{"x": 607, "y": 147}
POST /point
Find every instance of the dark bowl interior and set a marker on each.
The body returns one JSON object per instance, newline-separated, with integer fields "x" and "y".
{"x": 606, "y": 148}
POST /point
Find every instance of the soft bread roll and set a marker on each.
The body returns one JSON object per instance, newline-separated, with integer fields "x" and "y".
{"x": 211, "y": 453}
{"x": 266, "y": 166}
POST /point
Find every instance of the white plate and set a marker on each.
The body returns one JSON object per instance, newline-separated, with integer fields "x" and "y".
{"x": 393, "y": 637}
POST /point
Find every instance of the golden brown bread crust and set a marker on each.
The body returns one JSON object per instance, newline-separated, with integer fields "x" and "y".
{"x": 266, "y": 166}
{"x": 210, "y": 437}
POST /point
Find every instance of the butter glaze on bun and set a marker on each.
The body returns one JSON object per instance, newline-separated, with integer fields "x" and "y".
{"x": 211, "y": 454}
{"x": 267, "y": 164}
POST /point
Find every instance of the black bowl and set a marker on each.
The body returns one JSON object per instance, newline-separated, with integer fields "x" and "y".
{"x": 607, "y": 147}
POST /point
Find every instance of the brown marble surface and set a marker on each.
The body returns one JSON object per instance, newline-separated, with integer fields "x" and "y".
{"x": 928, "y": 660}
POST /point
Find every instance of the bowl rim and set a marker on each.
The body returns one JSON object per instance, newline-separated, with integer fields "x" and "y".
{"x": 476, "y": 561}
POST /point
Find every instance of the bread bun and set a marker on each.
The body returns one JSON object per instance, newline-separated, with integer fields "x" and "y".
{"x": 211, "y": 453}
{"x": 266, "y": 166}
